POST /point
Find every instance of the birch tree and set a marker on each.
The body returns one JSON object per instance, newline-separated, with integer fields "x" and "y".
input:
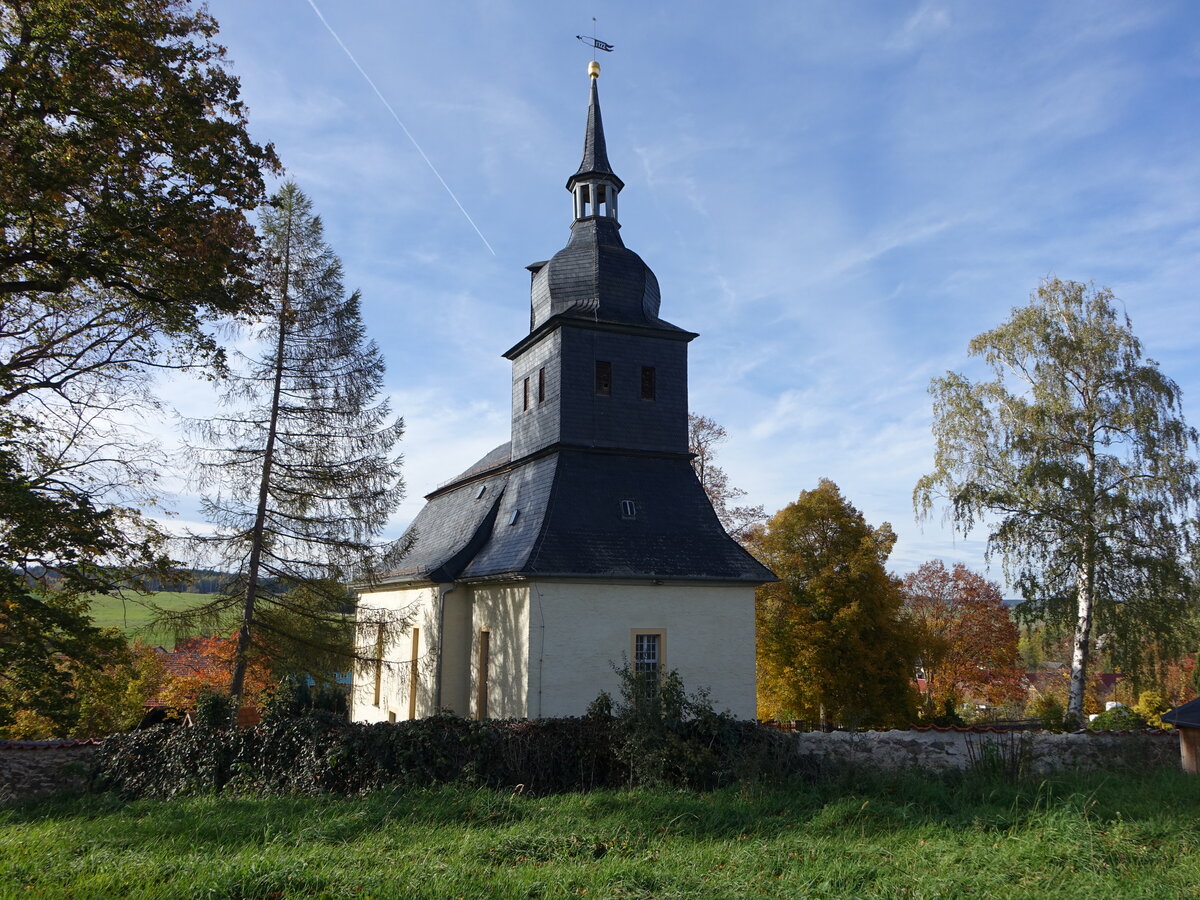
{"x": 299, "y": 467}
{"x": 1076, "y": 456}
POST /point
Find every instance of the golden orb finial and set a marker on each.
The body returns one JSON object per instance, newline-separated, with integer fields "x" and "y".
{"x": 593, "y": 69}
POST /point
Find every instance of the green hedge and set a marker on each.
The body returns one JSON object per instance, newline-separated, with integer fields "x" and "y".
{"x": 319, "y": 753}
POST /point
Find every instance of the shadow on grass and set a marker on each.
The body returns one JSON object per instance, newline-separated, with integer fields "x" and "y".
{"x": 852, "y": 803}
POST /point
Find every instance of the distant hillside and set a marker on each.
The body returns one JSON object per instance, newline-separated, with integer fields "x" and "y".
{"x": 193, "y": 581}
{"x": 131, "y": 614}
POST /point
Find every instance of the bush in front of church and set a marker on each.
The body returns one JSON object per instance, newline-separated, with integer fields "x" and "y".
{"x": 666, "y": 738}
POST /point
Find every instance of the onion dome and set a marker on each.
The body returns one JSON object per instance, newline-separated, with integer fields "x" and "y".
{"x": 595, "y": 276}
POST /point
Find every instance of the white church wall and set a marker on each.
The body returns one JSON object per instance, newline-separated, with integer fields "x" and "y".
{"x": 456, "y": 650}
{"x": 384, "y": 691}
{"x": 502, "y": 611}
{"x": 580, "y": 630}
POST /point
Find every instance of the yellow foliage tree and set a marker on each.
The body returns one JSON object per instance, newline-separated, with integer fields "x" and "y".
{"x": 831, "y": 642}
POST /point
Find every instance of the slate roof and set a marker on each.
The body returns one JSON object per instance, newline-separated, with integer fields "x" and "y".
{"x": 559, "y": 514}
{"x": 595, "y": 153}
{"x": 448, "y": 531}
{"x": 1186, "y": 716}
{"x": 596, "y": 277}
{"x": 558, "y": 511}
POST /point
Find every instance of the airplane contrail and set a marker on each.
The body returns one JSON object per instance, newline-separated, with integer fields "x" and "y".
{"x": 383, "y": 100}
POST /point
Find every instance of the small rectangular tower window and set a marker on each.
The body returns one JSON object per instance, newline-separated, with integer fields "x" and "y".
{"x": 525, "y": 395}
{"x": 541, "y": 385}
{"x": 603, "y": 378}
{"x": 649, "y": 383}
{"x": 628, "y": 509}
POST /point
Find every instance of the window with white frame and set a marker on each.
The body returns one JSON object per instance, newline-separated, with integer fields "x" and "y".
{"x": 648, "y": 648}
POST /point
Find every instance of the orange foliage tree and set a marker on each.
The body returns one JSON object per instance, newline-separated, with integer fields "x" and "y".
{"x": 967, "y": 639}
{"x": 204, "y": 664}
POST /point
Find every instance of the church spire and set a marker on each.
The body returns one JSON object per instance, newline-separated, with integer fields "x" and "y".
{"x": 595, "y": 186}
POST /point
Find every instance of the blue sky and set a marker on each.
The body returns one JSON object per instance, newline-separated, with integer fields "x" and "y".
{"x": 836, "y": 196}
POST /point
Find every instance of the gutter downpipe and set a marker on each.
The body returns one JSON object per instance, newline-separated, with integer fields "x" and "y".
{"x": 541, "y": 648}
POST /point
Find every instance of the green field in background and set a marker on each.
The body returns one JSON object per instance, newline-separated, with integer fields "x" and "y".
{"x": 132, "y": 614}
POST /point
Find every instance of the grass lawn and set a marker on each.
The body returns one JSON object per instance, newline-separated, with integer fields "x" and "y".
{"x": 1094, "y": 837}
{"x": 131, "y": 615}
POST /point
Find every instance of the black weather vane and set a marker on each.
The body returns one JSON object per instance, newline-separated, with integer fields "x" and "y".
{"x": 593, "y": 41}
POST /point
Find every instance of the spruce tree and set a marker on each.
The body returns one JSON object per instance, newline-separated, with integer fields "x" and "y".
{"x": 299, "y": 469}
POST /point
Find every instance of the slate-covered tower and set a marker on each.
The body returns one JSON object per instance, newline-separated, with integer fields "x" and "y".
{"x": 587, "y": 538}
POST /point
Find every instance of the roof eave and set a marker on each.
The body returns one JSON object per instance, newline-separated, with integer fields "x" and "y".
{"x": 666, "y": 331}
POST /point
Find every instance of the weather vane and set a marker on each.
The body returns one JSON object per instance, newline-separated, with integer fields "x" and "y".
{"x": 594, "y": 42}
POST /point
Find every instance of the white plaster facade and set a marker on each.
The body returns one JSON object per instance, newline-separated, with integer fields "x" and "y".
{"x": 551, "y": 646}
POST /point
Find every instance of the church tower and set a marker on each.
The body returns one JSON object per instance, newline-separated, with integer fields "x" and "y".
{"x": 586, "y": 539}
{"x": 598, "y": 368}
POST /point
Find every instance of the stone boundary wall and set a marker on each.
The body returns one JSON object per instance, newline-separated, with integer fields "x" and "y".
{"x": 32, "y": 769}
{"x": 1027, "y": 752}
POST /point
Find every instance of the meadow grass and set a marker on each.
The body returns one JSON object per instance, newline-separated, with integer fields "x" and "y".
{"x": 130, "y": 613}
{"x": 1092, "y": 836}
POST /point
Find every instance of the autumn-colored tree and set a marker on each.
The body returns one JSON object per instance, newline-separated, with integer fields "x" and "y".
{"x": 207, "y": 667}
{"x": 831, "y": 641}
{"x": 113, "y": 698}
{"x": 1174, "y": 678}
{"x": 1077, "y": 456}
{"x": 966, "y": 637}
{"x": 94, "y": 694}
{"x": 128, "y": 163}
{"x": 127, "y": 174}
{"x": 704, "y": 435}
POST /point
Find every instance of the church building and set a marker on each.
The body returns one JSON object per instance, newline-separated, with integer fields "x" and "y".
{"x": 586, "y": 542}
